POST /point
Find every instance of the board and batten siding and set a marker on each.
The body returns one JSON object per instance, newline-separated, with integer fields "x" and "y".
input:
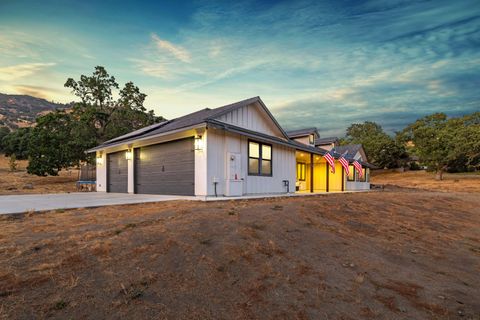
{"x": 220, "y": 143}
{"x": 251, "y": 117}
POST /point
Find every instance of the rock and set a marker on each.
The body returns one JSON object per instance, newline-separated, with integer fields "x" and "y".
{"x": 11, "y": 188}
{"x": 441, "y": 297}
{"x": 414, "y": 251}
{"x": 346, "y": 265}
{"x": 360, "y": 278}
{"x": 28, "y": 186}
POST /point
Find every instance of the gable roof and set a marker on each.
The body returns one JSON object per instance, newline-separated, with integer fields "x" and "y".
{"x": 324, "y": 141}
{"x": 191, "y": 119}
{"x": 349, "y": 150}
{"x": 303, "y": 132}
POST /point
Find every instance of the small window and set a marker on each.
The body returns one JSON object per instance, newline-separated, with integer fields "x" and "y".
{"x": 259, "y": 159}
{"x": 364, "y": 177}
{"x": 301, "y": 171}
{"x": 253, "y": 166}
{"x": 266, "y": 152}
{"x": 311, "y": 139}
{"x": 254, "y": 150}
{"x": 351, "y": 175}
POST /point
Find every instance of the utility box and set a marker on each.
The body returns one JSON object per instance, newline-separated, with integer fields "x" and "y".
{"x": 234, "y": 183}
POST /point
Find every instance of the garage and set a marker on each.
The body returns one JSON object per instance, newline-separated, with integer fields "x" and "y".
{"x": 166, "y": 168}
{"x": 117, "y": 172}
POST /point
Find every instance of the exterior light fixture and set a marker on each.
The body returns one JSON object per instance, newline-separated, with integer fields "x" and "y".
{"x": 129, "y": 154}
{"x": 198, "y": 142}
{"x": 100, "y": 158}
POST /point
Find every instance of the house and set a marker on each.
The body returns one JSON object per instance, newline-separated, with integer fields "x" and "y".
{"x": 238, "y": 149}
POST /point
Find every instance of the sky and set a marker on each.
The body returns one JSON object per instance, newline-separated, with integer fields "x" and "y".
{"x": 326, "y": 64}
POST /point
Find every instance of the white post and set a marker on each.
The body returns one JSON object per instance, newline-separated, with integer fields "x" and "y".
{"x": 201, "y": 166}
{"x": 131, "y": 173}
{"x": 101, "y": 167}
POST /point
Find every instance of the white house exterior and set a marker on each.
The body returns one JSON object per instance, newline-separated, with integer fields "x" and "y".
{"x": 239, "y": 149}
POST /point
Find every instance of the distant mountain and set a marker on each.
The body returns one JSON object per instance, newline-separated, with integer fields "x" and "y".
{"x": 18, "y": 111}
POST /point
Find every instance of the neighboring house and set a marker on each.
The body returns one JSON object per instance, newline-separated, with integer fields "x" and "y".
{"x": 238, "y": 149}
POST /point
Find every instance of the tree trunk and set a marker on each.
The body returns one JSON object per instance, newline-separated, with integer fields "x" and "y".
{"x": 439, "y": 175}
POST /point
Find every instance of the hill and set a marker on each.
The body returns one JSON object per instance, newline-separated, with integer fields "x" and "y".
{"x": 17, "y": 111}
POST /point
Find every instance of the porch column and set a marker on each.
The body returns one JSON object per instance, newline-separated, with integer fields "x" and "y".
{"x": 131, "y": 173}
{"x": 328, "y": 172}
{"x": 311, "y": 172}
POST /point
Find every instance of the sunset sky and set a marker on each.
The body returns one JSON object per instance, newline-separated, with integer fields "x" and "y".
{"x": 314, "y": 63}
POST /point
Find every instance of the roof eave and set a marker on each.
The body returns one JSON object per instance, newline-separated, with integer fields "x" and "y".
{"x": 103, "y": 147}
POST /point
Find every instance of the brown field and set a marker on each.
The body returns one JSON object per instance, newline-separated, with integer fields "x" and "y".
{"x": 456, "y": 182}
{"x": 393, "y": 254}
{"x": 14, "y": 182}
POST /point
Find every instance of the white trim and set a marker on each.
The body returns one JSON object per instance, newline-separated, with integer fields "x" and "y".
{"x": 135, "y": 141}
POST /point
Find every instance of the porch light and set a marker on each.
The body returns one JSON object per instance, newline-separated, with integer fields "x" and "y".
{"x": 99, "y": 158}
{"x": 198, "y": 142}
{"x": 129, "y": 154}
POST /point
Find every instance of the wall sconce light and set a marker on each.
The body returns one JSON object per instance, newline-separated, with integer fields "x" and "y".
{"x": 100, "y": 158}
{"x": 129, "y": 154}
{"x": 198, "y": 142}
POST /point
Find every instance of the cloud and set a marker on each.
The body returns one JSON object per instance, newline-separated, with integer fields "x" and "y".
{"x": 37, "y": 91}
{"x": 14, "y": 72}
{"x": 164, "y": 46}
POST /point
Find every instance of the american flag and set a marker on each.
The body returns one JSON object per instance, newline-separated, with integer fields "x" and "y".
{"x": 358, "y": 167}
{"x": 330, "y": 160}
{"x": 345, "y": 164}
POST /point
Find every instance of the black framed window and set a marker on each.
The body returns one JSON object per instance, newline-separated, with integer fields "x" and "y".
{"x": 259, "y": 159}
{"x": 364, "y": 176}
{"x": 301, "y": 171}
{"x": 351, "y": 174}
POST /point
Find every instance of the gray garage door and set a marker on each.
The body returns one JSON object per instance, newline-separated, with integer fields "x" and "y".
{"x": 117, "y": 172}
{"x": 166, "y": 168}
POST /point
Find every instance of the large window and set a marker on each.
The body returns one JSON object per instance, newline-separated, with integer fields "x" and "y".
{"x": 351, "y": 175}
{"x": 301, "y": 171}
{"x": 259, "y": 159}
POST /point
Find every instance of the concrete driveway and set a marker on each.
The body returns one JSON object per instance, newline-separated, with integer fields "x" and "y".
{"x": 40, "y": 202}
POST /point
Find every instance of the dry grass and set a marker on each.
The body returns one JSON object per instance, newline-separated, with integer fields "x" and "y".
{"x": 14, "y": 182}
{"x": 452, "y": 182}
{"x": 393, "y": 254}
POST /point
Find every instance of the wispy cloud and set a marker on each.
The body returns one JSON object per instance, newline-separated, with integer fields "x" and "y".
{"x": 37, "y": 91}
{"x": 164, "y": 46}
{"x": 15, "y": 72}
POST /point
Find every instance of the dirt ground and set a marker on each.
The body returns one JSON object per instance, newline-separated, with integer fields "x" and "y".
{"x": 18, "y": 181}
{"x": 457, "y": 182}
{"x": 392, "y": 254}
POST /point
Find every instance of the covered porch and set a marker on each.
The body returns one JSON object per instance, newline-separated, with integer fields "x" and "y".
{"x": 313, "y": 174}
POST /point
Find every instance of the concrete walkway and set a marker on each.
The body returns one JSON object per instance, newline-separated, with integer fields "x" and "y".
{"x": 41, "y": 202}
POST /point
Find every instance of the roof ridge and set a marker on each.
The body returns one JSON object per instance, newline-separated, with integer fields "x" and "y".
{"x": 219, "y": 110}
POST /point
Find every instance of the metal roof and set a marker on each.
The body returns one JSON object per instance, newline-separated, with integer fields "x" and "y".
{"x": 302, "y": 132}
{"x": 185, "y": 121}
{"x": 324, "y": 141}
